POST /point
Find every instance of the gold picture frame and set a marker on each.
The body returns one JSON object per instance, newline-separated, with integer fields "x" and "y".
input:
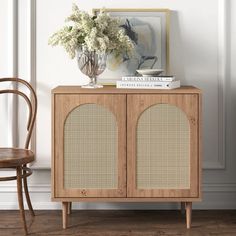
{"x": 155, "y": 23}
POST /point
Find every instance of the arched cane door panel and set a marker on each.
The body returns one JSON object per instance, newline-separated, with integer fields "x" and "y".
{"x": 91, "y": 130}
{"x": 90, "y": 148}
{"x": 162, "y": 146}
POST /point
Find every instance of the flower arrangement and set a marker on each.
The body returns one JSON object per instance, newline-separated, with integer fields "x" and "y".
{"x": 100, "y": 33}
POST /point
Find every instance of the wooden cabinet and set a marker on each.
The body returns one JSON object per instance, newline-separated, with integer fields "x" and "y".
{"x": 126, "y": 146}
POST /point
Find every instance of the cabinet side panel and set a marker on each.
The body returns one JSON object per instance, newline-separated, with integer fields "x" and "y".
{"x": 53, "y": 147}
{"x": 200, "y": 143}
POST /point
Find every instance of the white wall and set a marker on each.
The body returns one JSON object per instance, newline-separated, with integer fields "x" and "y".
{"x": 8, "y": 67}
{"x": 202, "y": 46}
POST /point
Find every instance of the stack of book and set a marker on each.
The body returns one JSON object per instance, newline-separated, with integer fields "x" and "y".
{"x": 146, "y": 82}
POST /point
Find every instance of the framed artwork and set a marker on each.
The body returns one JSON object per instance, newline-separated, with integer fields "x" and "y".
{"x": 149, "y": 31}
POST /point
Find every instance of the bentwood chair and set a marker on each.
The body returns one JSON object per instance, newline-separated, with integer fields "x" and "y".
{"x": 18, "y": 158}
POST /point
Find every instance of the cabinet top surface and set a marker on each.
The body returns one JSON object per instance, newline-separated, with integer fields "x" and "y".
{"x": 114, "y": 90}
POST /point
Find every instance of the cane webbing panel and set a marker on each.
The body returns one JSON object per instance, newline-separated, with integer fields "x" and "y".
{"x": 163, "y": 148}
{"x": 90, "y": 148}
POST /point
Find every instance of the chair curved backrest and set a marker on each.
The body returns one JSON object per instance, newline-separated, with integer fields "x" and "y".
{"x": 32, "y": 103}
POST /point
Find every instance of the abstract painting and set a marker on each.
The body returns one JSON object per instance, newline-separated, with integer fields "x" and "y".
{"x": 149, "y": 32}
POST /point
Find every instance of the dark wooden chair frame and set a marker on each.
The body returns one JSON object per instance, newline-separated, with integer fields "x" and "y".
{"x": 22, "y": 171}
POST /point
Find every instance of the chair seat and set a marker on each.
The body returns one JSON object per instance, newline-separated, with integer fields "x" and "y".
{"x": 12, "y": 157}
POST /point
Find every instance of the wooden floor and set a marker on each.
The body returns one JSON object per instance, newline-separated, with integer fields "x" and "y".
{"x": 122, "y": 223}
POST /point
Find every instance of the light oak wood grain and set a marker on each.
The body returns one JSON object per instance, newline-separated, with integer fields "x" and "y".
{"x": 69, "y": 209}
{"x": 126, "y": 199}
{"x": 126, "y": 105}
{"x": 114, "y": 90}
{"x": 139, "y": 103}
{"x": 63, "y": 105}
{"x": 64, "y": 214}
{"x": 188, "y": 207}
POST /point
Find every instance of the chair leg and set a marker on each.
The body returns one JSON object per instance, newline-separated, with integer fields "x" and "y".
{"x": 20, "y": 196}
{"x": 27, "y": 195}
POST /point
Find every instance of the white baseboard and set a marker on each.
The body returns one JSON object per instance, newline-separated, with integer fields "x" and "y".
{"x": 215, "y": 196}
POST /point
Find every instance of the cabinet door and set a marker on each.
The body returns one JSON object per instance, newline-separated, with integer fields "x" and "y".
{"x": 163, "y": 140}
{"x": 89, "y": 145}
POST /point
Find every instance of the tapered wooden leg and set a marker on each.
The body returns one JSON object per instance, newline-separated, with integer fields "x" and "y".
{"x": 27, "y": 195}
{"x": 188, "y": 214}
{"x": 20, "y": 197}
{"x": 64, "y": 214}
{"x": 182, "y": 208}
{"x": 69, "y": 208}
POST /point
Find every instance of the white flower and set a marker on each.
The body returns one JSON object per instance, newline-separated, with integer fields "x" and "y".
{"x": 100, "y": 33}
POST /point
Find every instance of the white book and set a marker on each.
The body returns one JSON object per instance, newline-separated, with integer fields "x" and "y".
{"x": 148, "y": 78}
{"x": 148, "y": 84}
